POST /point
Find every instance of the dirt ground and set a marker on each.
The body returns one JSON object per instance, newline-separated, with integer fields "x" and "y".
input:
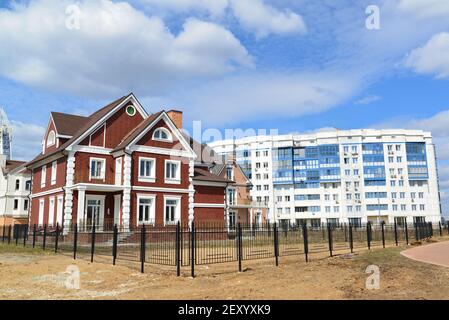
{"x": 28, "y": 274}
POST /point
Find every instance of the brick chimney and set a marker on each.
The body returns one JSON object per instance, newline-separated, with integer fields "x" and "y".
{"x": 176, "y": 117}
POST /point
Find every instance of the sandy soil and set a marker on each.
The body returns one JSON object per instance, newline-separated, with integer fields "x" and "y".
{"x": 33, "y": 275}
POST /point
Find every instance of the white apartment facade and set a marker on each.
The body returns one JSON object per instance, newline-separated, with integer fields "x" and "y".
{"x": 15, "y": 189}
{"x": 342, "y": 176}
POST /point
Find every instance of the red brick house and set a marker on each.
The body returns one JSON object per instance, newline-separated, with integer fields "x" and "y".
{"x": 121, "y": 166}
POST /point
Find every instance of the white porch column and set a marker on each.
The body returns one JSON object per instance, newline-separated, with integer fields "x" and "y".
{"x": 68, "y": 205}
{"x": 191, "y": 192}
{"x": 81, "y": 204}
{"x": 126, "y": 210}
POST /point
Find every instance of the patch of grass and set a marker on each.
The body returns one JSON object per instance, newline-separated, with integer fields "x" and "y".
{"x": 20, "y": 249}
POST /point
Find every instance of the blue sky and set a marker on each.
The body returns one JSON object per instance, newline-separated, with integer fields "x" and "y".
{"x": 291, "y": 65}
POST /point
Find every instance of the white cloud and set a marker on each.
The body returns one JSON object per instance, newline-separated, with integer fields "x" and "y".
{"x": 26, "y": 140}
{"x": 116, "y": 49}
{"x": 425, "y": 8}
{"x": 367, "y": 100}
{"x": 254, "y": 97}
{"x": 432, "y": 58}
{"x": 255, "y": 16}
{"x": 264, "y": 19}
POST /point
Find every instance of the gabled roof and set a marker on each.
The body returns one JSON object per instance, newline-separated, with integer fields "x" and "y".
{"x": 13, "y": 165}
{"x": 68, "y": 124}
{"x": 90, "y": 121}
{"x": 201, "y": 174}
{"x": 136, "y": 131}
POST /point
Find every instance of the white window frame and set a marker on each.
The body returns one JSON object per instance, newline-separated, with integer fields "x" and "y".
{"x": 41, "y": 212}
{"x": 60, "y": 210}
{"x": 152, "y": 197}
{"x": 51, "y": 211}
{"x": 176, "y": 180}
{"x": 177, "y": 209}
{"x": 51, "y": 142}
{"x": 166, "y": 131}
{"x": 103, "y": 169}
{"x": 54, "y": 167}
{"x": 152, "y": 176}
{"x": 43, "y": 175}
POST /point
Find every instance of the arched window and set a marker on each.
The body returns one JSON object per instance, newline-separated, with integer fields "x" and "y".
{"x": 51, "y": 139}
{"x": 162, "y": 134}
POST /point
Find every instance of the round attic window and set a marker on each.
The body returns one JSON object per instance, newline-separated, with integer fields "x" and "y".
{"x": 130, "y": 111}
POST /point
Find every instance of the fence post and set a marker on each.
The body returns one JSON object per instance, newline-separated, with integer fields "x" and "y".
{"x": 329, "y": 238}
{"x": 192, "y": 254}
{"x": 431, "y": 229}
{"x": 114, "y": 245}
{"x": 25, "y": 235}
{"x": 276, "y": 243}
{"x": 75, "y": 241}
{"x": 92, "y": 248}
{"x": 368, "y": 234}
{"x": 395, "y": 233}
{"x": 383, "y": 233}
{"x": 57, "y": 238}
{"x": 439, "y": 226}
{"x": 406, "y": 232}
{"x": 239, "y": 245}
{"x": 178, "y": 249}
{"x": 306, "y": 241}
{"x": 16, "y": 233}
{"x": 416, "y": 231}
{"x": 9, "y": 234}
{"x": 44, "y": 242}
{"x": 3, "y": 234}
{"x": 142, "y": 249}
{"x": 34, "y": 235}
{"x": 351, "y": 239}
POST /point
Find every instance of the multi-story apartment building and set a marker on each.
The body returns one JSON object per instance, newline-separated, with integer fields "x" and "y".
{"x": 15, "y": 189}
{"x": 121, "y": 166}
{"x": 240, "y": 206}
{"x": 350, "y": 176}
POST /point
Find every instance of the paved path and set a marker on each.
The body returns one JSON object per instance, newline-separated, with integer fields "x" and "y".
{"x": 435, "y": 253}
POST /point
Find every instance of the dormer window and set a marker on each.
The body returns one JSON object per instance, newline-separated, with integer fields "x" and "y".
{"x": 162, "y": 134}
{"x": 51, "y": 139}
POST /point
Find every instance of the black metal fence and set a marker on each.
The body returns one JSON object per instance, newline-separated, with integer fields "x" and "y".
{"x": 210, "y": 243}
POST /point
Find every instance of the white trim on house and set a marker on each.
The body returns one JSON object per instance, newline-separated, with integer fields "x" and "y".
{"x": 95, "y": 126}
{"x": 156, "y": 150}
{"x": 97, "y": 187}
{"x": 53, "y": 142}
{"x": 41, "y": 211}
{"x": 159, "y": 189}
{"x": 45, "y": 193}
{"x": 43, "y": 175}
{"x": 152, "y": 177}
{"x": 51, "y": 211}
{"x": 60, "y": 210}
{"x": 152, "y": 213}
{"x": 92, "y": 149}
{"x": 100, "y": 198}
{"x": 54, "y": 167}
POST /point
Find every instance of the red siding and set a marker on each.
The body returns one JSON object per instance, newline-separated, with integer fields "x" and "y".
{"x": 209, "y": 214}
{"x": 119, "y": 125}
{"x": 206, "y": 194}
{"x": 97, "y": 138}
